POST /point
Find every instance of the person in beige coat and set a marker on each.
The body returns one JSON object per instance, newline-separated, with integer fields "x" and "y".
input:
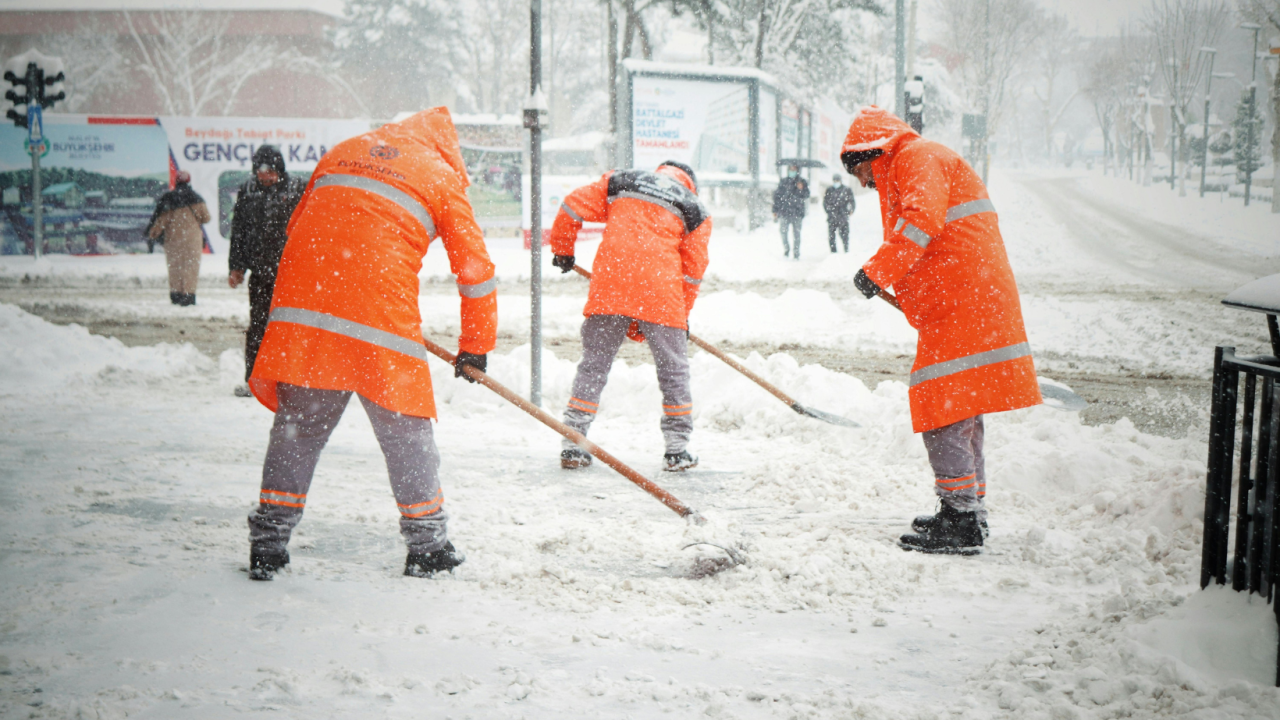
{"x": 178, "y": 217}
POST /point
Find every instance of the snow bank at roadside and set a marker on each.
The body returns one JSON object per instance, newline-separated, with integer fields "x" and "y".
{"x": 37, "y": 356}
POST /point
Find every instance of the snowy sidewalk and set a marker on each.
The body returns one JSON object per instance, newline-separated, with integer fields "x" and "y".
{"x": 128, "y": 473}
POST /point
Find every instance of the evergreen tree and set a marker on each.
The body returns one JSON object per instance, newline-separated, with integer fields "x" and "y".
{"x": 1248, "y": 156}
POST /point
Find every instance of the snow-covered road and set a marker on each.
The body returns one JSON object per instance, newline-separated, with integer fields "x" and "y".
{"x": 126, "y": 474}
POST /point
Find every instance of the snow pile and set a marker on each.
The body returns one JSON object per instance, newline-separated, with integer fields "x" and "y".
{"x": 36, "y": 356}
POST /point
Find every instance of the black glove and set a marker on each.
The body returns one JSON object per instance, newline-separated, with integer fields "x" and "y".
{"x": 478, "y": 362}
{"x": 866, "y": 285}
{"x": 564, "y": 262}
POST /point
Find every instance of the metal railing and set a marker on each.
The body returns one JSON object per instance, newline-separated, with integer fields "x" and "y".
{"x": 1255, "y": 562}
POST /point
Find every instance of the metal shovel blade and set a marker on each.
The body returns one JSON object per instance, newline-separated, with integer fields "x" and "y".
{"x": 824, "y": 416}
{"x": 1060, "y": 398}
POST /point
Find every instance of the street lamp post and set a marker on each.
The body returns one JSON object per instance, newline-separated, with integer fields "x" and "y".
{"x": 1253, "y": 99}
{"x": 1208, "y": 85}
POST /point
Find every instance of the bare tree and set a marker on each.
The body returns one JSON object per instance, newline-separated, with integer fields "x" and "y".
{"x": 1055, "y": 53}
{"x": 1179, "y": 29}
{"x": 992, "y": 40}
{"x": 1267, "y": 14}
{"x": 491, "y": 54}
{"x": 195, "y": 66}
{"x": 1106, "y": 90}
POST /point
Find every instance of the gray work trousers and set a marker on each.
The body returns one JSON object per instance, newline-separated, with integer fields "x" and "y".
{"x": 304, "y": 420}
{"x": 602, "y": 335}
{"x": 955, "y": 452}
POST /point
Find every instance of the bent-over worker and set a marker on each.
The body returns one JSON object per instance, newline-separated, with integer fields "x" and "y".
{"x": 644, "y": 282}
{"x": 344, "y": 318}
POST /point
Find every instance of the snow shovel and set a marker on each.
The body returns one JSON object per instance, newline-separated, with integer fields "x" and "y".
{"x": 791, "y": 403}
{"x": 1056, "y": 396}
{"x": 645, "y": 483}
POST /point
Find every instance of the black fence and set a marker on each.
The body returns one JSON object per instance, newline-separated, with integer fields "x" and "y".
{"x": 1255, "y": 561}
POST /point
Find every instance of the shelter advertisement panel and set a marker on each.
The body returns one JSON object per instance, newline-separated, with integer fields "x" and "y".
{"x": 768, "y": 133}
{"x": 703, "y": 123}
{"x": 99, "y": 182}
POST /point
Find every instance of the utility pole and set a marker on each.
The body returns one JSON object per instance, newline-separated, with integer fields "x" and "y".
{"x": 535, "y": 111}
{"x": 899, "y": 58}
{"x": 1253, "y": 113}
{"x": 1173, "y": 124}
{"x": 612, "y": 54}
{"x": 1208, "y": 85}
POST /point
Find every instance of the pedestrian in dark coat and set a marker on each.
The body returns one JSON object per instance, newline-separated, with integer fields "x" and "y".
{"x": 258, "y": 233}
{"x": 789, "y": 202}
{"x": 838, "y": 203}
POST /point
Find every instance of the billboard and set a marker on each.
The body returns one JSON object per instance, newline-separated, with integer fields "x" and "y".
{"x": 704, "y": 123}
{"x": 218, "y": 153}
{"x": 99, "y": 181}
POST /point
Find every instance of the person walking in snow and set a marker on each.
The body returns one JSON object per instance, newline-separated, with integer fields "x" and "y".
{"x": 344, "y": 318}
{"x": 838, "y": 203}
{"x": 263, "y": 207}
{"x": 945, "y": 258}
{"x": 177, "y": 219}
{"x": 789, "y": 203}
{"x": 644, "y": 282}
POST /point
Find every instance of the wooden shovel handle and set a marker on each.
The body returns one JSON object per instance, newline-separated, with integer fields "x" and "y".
{"x": 581, "y": 440}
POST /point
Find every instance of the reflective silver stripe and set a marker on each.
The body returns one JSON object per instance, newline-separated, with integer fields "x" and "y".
{"x": 649, "y": 199}
{"x": 950, "y": 367}
{"x": 478, "y": 290}
{"x": 899, "y": 225}
{"x": 569, "y": 211}
{"x": 395, "y": 195}
{"x": 692, "y": 281}
{"x": 973, "y": 207}
{"x": 355, "y": 330}
{"x": 916, "y": 235}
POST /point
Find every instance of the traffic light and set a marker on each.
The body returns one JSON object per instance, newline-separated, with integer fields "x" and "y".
{"x": 915, "y": 103}
{"x": 38, "y": 85}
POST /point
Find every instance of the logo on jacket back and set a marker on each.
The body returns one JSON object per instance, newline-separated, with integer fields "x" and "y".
{"x": 660, "y": 190}
{"x": 384, "y": 152}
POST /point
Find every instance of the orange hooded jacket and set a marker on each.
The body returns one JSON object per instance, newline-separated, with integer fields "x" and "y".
{"x": 345, "y": 315}
{"x": 654, "y": 251}
{"x": 945, "y": 259}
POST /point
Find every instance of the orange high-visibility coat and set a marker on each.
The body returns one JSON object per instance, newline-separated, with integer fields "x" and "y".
{"x": 654, "y": 251}
{"x": 344, "y": 315}
{"x": 945, "y": 259}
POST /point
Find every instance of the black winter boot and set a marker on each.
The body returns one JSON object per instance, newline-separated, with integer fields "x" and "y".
{"x": 264, "y": 566}
{"x": 922, "y": 523}
{"x": 175, "y": 297}
{"x": 423, "y": 565}
{"x": 952, "y": 533}
{"x": 679, "y": 462}
{"x": 574, "y": 458}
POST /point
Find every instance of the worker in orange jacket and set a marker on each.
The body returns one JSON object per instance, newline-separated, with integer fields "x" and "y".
{"x": 344, "y": 318}
{"x": 644, "y": 282}
{"x": 944, "y": 257}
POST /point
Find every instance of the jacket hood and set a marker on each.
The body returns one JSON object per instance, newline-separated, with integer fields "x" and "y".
{"x": 434, "y": 129}
{"x": 875, "y": 129}
{"x": 270, "y": 156}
